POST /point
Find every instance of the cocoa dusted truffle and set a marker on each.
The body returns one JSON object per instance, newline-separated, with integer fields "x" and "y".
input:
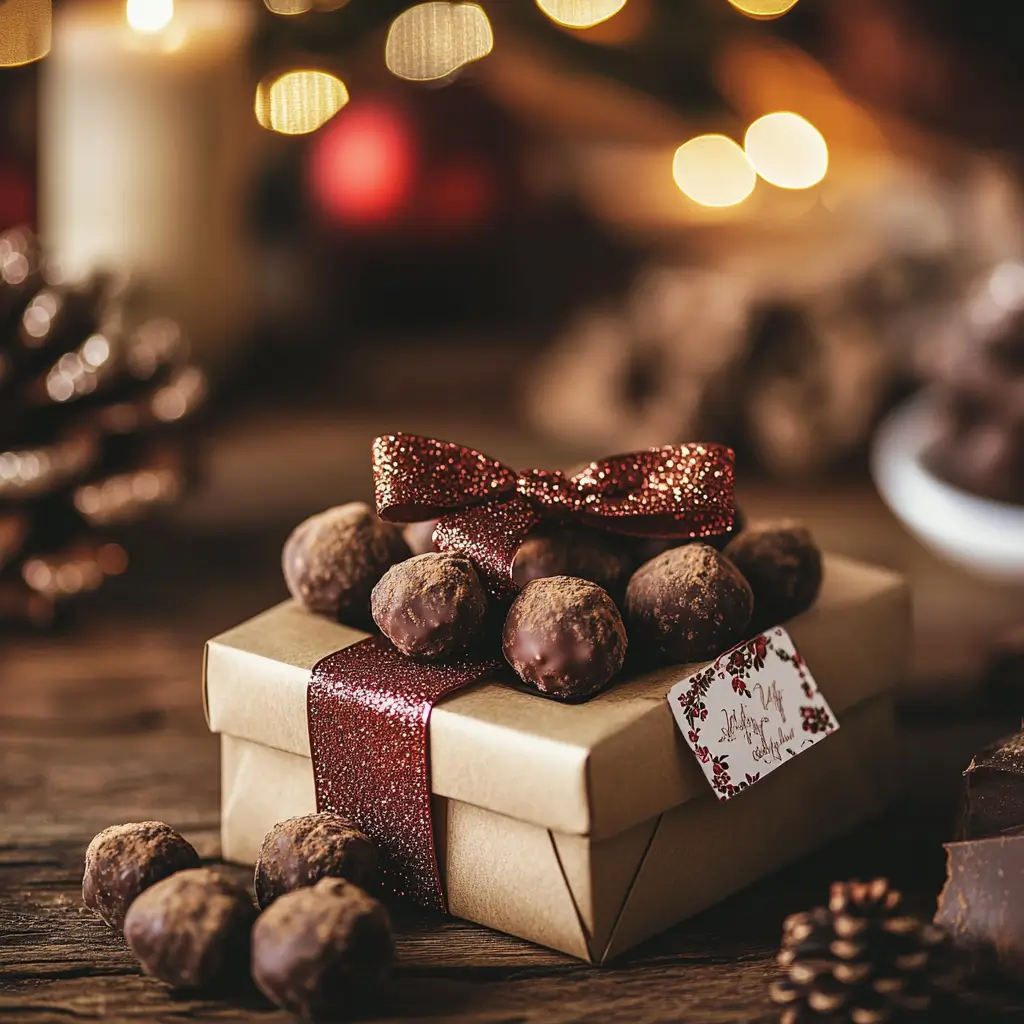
{"x": 333, "y": 560}
{"x": 687, "y": 604}
{"x": 317, "y": 950}
{"x": 430, "y": 606}
{"x": 192, "y": 930}
{"x": 420, "y": 536}
{"x": 123, "y": 860}
{"x": 782, "y": 564}
{"x": 300, "y": 851}
{"x": 572, "y": 551}
{"x": 565, "y": 637}
{"x": 646, "y": 548}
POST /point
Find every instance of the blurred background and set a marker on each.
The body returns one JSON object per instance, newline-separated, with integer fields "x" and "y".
{"x": 242, "y": 237}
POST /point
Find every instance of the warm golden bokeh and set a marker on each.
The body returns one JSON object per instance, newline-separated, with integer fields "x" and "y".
{"x": 430, "y": 41}
{"x": 712, "y": 170}
{"x": 580, "y": 13}
{"x": 763, "y": 8}
{"x": 25, "y": 27}
{"x": 299, "y": 102}
{"x": 786, "y": 150}
{"x": 149, "y": 16}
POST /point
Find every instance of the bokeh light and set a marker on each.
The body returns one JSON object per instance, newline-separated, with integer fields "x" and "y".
{"x": 430, "y": 41}
{"x": 299, "y": 102}
{"x": 362, "y": 169}
{"x": 580, "y": 13}
{"x": 763, "y": 8}
{"x": 25, "y": 29}
{"x": 786, "y": 150}
{"x": 149, "y": 16}
{"x": 290, "y": 7}
{"x": 712, "y": 170}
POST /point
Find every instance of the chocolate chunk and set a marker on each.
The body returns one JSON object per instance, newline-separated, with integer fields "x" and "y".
{"x": 123, "y": 860}
{"x": 688, "y": 604}
{"x": 994, "y": 790}
{"x": 430, "y": 606}
{"x": 782, "y": 564}
{"x": 982, "y": 903}
{"x": 420, "y": 536}
{"x": 572, "y": 551}
{"x": 333, "y": 560}
{"x": 317, "y": 950}
{"x": 192, "y": 930}
{"x": 564, "y": 636}
{"x": 300, "y": 851}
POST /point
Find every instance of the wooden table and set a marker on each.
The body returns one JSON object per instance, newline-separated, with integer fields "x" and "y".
{"x": 104, "y": 725}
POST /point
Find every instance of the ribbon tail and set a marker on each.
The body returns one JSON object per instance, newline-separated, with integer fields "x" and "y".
{"x": 369, "y": 708}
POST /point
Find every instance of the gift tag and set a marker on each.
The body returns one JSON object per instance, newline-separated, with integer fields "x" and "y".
{"x": 751, "y": 710}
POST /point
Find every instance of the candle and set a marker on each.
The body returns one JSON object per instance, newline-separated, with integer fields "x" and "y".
{"x": 146, "y": 139}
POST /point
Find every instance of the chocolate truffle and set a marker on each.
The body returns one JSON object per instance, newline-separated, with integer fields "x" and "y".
{"x": 564, "y": 636}
{"x": 192, "y": 930}
{"x": 334, "y": 559}
{"x": 430, "y": 606}
{"x": 317, "y": 950}
{"x": 420, "y": 536}
{"x": 300, "y": 851}
{"x": 646, "y": 548}
{"x": 572, "y": 551}
{"x": 782, "y": 564}
{"x": 125, "y": 859}
{"x": 687, "y": 604}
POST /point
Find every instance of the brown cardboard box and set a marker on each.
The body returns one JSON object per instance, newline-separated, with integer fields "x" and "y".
{"x": 586, "y": 828}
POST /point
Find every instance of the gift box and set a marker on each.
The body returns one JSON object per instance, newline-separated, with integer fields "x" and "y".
{"x": 586, "y": 828}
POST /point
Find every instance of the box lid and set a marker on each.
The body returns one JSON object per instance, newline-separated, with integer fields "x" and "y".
{"x": 589, "y": 769}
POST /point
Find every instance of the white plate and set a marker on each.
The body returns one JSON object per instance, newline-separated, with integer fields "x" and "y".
{"x": 984, "y": 536}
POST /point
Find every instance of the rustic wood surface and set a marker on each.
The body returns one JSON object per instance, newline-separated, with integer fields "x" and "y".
{"x": 104, "y": 725}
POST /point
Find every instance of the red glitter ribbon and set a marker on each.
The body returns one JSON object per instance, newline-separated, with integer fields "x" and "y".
{"x": 369, "y": 705}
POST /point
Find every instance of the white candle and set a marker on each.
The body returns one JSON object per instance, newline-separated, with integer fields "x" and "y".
{"x": 147, "y": 136}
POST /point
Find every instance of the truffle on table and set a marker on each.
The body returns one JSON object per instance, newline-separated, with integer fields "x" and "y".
{"x": 564, "y": 636}
{"x": 593, "y": 555}
{"x": 430, "y": 606}
{"x": 316, "y": 950}
{"x": 124, "y": 860}
{"x": 333, "y": 560}
{"x": 782, "y": 564}
{"x": 994, "y": 790}
{"x": 192, "y": 930}
{"x": 300, "y": 851}
{"x": 688, "y": 604}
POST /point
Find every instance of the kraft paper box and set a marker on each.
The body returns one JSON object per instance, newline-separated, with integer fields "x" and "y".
{"x": 586, "y": 828}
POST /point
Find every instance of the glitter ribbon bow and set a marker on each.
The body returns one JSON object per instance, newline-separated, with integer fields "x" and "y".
{"x": 486, "y": 509}
{"x": 369, "y": 706}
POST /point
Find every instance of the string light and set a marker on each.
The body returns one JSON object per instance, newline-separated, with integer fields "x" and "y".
{"x": 25, "y": 27}
{"x": 299, "y": 102}
{"x": 430, "y": 41}
{"x": 713, "y": 171}
{"x": 149, "y": 16}
{"x": 763, "y": 9}
{"x": 581, "y": 13}
{"x": 786, "y": 150}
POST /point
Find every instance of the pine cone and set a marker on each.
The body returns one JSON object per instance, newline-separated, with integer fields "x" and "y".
{"x": 863, "y": 959}
{"x": 91, "y": 400}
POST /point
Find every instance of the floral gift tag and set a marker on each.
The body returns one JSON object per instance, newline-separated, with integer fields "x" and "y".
{"x": 754, "y": 708}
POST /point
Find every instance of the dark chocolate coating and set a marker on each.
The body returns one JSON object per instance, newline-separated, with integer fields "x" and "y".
{"x": 430, "y": 606}
{"x": 123, "y": 860}
{"x": 688, "y": 604}
{"x": 994, "y": 790}
{"x": 572, "y": 551}
{"x": 420, "y": 536}
{"x": 300, "y": 851}
{"x": 646, "y": 548}
{"x": 564, "y": 636}
{"x": 316, "y": 950}
{"x": 782, "y": 564}
{"x": 192, "y": 930}
{"x": 333, "y": 560}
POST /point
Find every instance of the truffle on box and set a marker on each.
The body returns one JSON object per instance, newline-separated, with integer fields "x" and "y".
{"x": 615, "y": 833}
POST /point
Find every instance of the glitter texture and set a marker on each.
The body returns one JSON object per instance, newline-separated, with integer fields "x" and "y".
{"x": 369, "y": 705}
{"x": 369, "y": 708}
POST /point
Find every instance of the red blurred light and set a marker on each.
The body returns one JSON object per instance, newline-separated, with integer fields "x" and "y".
{"x": 361, "y": 165}
{"x": 462, "y": 195}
